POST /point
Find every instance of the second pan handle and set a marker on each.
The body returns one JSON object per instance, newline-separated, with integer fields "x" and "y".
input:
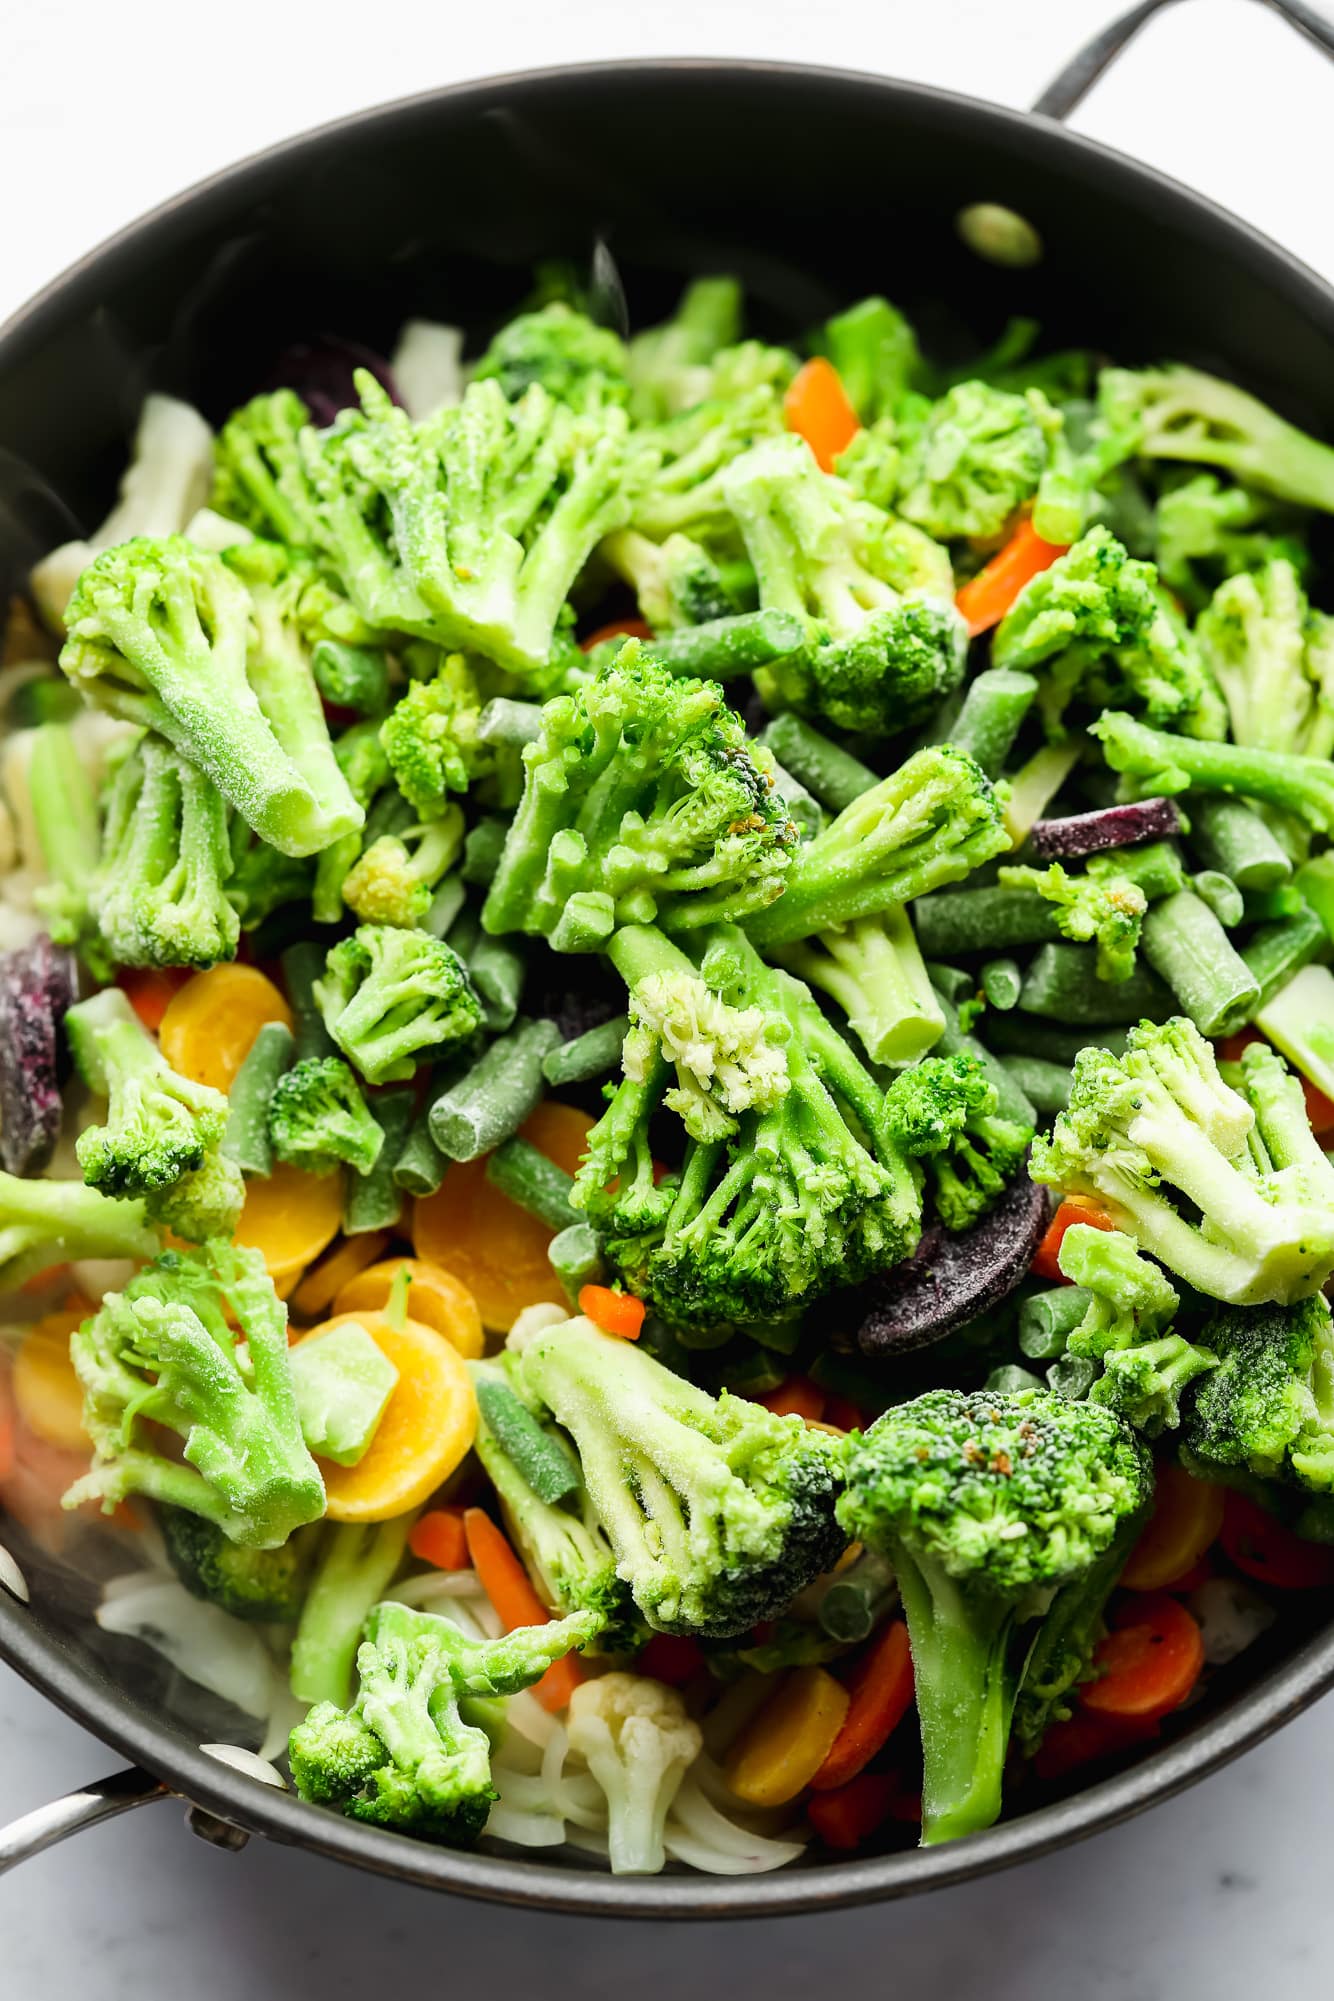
{"x": 1072, "y": 85}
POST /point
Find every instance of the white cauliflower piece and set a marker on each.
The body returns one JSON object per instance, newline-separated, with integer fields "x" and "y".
{"x": 638, "y": 1742}
{"x": 727, "y": 1059}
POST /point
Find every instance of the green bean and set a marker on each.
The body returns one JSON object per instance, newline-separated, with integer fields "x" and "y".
{"x": 1222, "y": 896}
{"x": 1275, "y": 952}
{"x": 1189, "y": 949}
{"x": 1011, "y": 1101}
{"x": 754, "y": 1372}
{"x": 420, "y": 1167}
{"x": 1000, "y": 980}
{"x": 355, "y": 677}
{"x": 990, "y": 717}
{"x": 518, "y": 1170}
{"x": 1315, "y": 882}
{"x": 804, "y": 809}
{"x": 482, "y": 849}
{"x": 575, "y": 1255}
{"x": 722, "y": 648}
{"x": 513, "y": 723}
{"x": 593, "y": 1054}
{"x": 245, "y": 1139}
{"x": 374, "y": 1201}
{"x": 834, "y": 776}
{"x": 303, "y": 964}
{"x": 982, "y": 920}
{"x": 1154, "y": 866}
{"x": 951, "y": 981}
{"x": 1010, "y": 1380}
{"x": 1062, "y": 984}
{"x": 857, "y": 1599}
{"x": 445, "y": 906}
{"x": 492, "y": 1099}
{"x": 1020, "y": 1034}
{"x": 1072, "y": 1377}
{"x": 1046, "y": 1085}
{"x": 539, "y": 1459}
{"x": 1048, "y": 1319}
{"x": 1229, "y": 835}
{"x": 498, "y": 966}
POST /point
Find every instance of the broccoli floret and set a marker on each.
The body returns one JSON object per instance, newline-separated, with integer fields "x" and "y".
{"x": 1156, "y": 764}
{"x": 928, "y": 824}
{"x": 1126, "y": 1329}
{"x": 875, "y": 351}
{"x": 259, "y": 479}
{"x": 871, "y": 466}
{"x": 1182, "y": 413}
{"x": 161, "y": 893}
{"x": 205, "y": 1203}
{"x": 874, "y": 971}
{"x": 262, "y": 880}
{"x": 943, "y": 1114}
{"x": 684, "y": 494}
{"x": 1085, "y": 450}
{"x": 1268, "y": 1407}
{"x": 1158, "y": 1130}
{"x": 565, "y": 1549}
{"x": 197, "y": 1343}
{"x": 431, "y": 740}
{"x": 563, "y": 352}
{"x": 643, "y": 799}
{"x": 390, "y": 997}
{"x": 1094, "y": 619}
{"x": 402, "y": 1755}
{"x": 991, "y": 1509}
{"x": 638, "y": 1741}
{"x": 1206, "y": 530}
{"x": 719, "y": 1512}
{"x": 159, "y": 1125}
{"x": 318, "y": 1118}
{"x": 470, "y": 529}
{"x": 876, "y": 661}
{"x": 160, "y": 633}
{"x": 975, "y": 460}
{"x": 675, "y": 582}
{"x": 265, "y": 1584}
{"x": 791, "y": 1183}
{"x": 395, "y": 879}
{"x": 668, "y": 365}
{"x": 1102, "y": 907}
{"x": 1273, "y": 658}
{"x": 46, "y": 1223}
{"x": 1144, "y": 1385}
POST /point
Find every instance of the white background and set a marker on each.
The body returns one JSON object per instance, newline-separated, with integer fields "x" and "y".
{"x": 110, "y": 105}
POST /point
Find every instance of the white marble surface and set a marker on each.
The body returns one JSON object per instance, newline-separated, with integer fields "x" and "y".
{"x": 1223, "y": 1892}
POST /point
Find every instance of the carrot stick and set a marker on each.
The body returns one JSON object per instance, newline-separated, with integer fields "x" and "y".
{"x": 817, "y": 408}
{"x": 439, "y": 1537}
{"x": 618, "y": 1313}
{"x": 1083, "y": 1739}
{"x": 1264, "y": 1549}
{"x": 618, "y": 628}
{"x": 985, "y": 598}
{"x": 672, "y": 1657}
{"x": 881, "y": 1688}
{"x": 797, "y": 1397}
{"x": 506, "y": 1584}
{"x": 150, "y": 990}
{"x": 848, "y": 1816}
{"x": 1148, "y": 1664}
{"x": 1074, "y": 1209}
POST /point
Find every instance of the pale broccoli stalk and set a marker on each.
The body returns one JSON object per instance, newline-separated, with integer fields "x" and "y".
{"x": 668, "y": 365}
{"x": 974, "y": 461}
{"x": 159, "y": 1125}
{"x": 395, "y": 879}
{"x": 1182, "y": 413}
{"x": 1159, "y": 1126}
{"x": 46, "y": 1223}
{"x": 638, "y": 1741}
{"x": 876, "y": 661}
{"x": 197, "y": 1343}
{"x": 160, "y": 634}
{"x": 873, "y": 969}
{"x": 160, "y": 893}
{"x": 929, "y": 823}
{"x": 1268, "y": 1407}
{"x": 1099, "y": 907}
{"x": 205, "y": 1203}
{"x": 1095, "y": 622}
{"x": 563, "y": 352}
{"x": 164, "y": 484}
{"x": 63, "y": 807}
{"x": 1156, "y": 764}
{"x": 1273, "y": 658}
{"x": 676, "y": 582}
{"x": 1126, "y": 1329}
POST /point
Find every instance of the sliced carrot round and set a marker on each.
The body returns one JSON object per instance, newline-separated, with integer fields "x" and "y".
{"x": 321, "y": 1285}
{"x": 1262, "y": 1548}
{"x": 435, "y": 1297}
{"x": 1148, "y": 1664}
{"x": 209, "y": 1025}
{"x": 427, "y": 1426}
{"x": 1187, "y": 1516}
{"x": 290, "y": 1219}
{"x": 494, "y": 1247}
{"x": 48, "y": 1394}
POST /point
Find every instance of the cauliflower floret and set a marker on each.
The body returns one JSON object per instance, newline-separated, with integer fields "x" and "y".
{"x": 727, "y": 1059}
{"x": 638, "y": 1742}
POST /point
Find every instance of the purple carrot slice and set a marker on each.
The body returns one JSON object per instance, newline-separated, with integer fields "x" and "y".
{"x": 952, "y": 1280}
{"x": 38, "y": 984}
{"x": 322, "y": 370}
{"x": 1109, "y": 827}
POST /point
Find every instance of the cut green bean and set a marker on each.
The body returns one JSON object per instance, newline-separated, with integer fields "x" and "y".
{"x": 541, "y": 1460}
{"x": 1010, "y": 1380}
{"x": 834, "y": 776}
{"x": 595, "y": 1053}
{"x": 482, "y": 850}
{"x": 722, "y": 648}
{"x": 355, "y": 677}
{"x": 857, "y": 1599}
{"x": 1020, "y": 1034}
{"x": 1271, "y": 906}
{"x": 420, "y": 1167}
{"x": 1000, "y": 980}
{"x": 1046, "y": 1085}
{"x": 303, "y": 964}
{"x": 575, "y": 1255}
{"x": 1315, "y": 883}
{"x": 1048, "y": 1319}
{"x": 245, "y": 1139}
{"x": 1222, "y": 896}
{"x": 753, "y": 1373}
{"x": 1062, "y": 984}
{"x": 497, "y": 967}
{"x": 1154, "y": 867}
{"x": 982, "y": 920}
{"x": 1011, "y": 1100}
{"x": 445, "y": 906}
{"x": 951, "y": 981}
{"x": 374, "y": 1201}
{"x": 781, "y": 1336}
{"x": 1072, "y": 1377}
{"x": 518, "y": 1170}
{"x": 1189, "y": 949}
{"x": 804, "y": 809}
{"x": 1276, "y": 952}
{"x": 513, "y": 723}
{"x": 492, "y": 1099}
{"x": 990, "y": 717}
{"x": 1228, "y": 834}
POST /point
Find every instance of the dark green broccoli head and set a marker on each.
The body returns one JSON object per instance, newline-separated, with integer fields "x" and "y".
{"x": 888, "y": 675}
{"x": 1268, "y": 1407}
{"x": 944, "y": 1114}
{"x": 977, "y": 457}
{"x": 389, "y": 997}
{"x": 574, "y": 360}
{"x": 319, "y": 1119}
{"x": 248, "y": 1583}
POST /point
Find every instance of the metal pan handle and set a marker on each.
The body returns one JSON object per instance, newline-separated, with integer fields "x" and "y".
{"x": 103, "y": 1800}
{"x": 1069, "y": 89}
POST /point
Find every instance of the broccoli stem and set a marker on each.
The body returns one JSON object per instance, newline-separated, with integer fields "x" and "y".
{"x": 965, "y": 1698}
{"x": 246, "y": 1137}
{"x": 1227, "y": 835}
{"x": 354, "y": 1568}
{"x": 1189, "y": 949}
{"x": 873, "y": 969}
{"x": 1159, "y": 763}
{"x": 374, "y": 1201}
{"x": 593, "y": 1054}
{"x": 1299, "y": 1021}
{"x": 989, "y": 717}
{"x": 518, "y": 1170}
{"x": 723, "y": 648}
{"x": 482, "y": 850}
{"x": 492, "y": 1100}
{"x": 64, "y": 811}
{"x": 831, "y": 775}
